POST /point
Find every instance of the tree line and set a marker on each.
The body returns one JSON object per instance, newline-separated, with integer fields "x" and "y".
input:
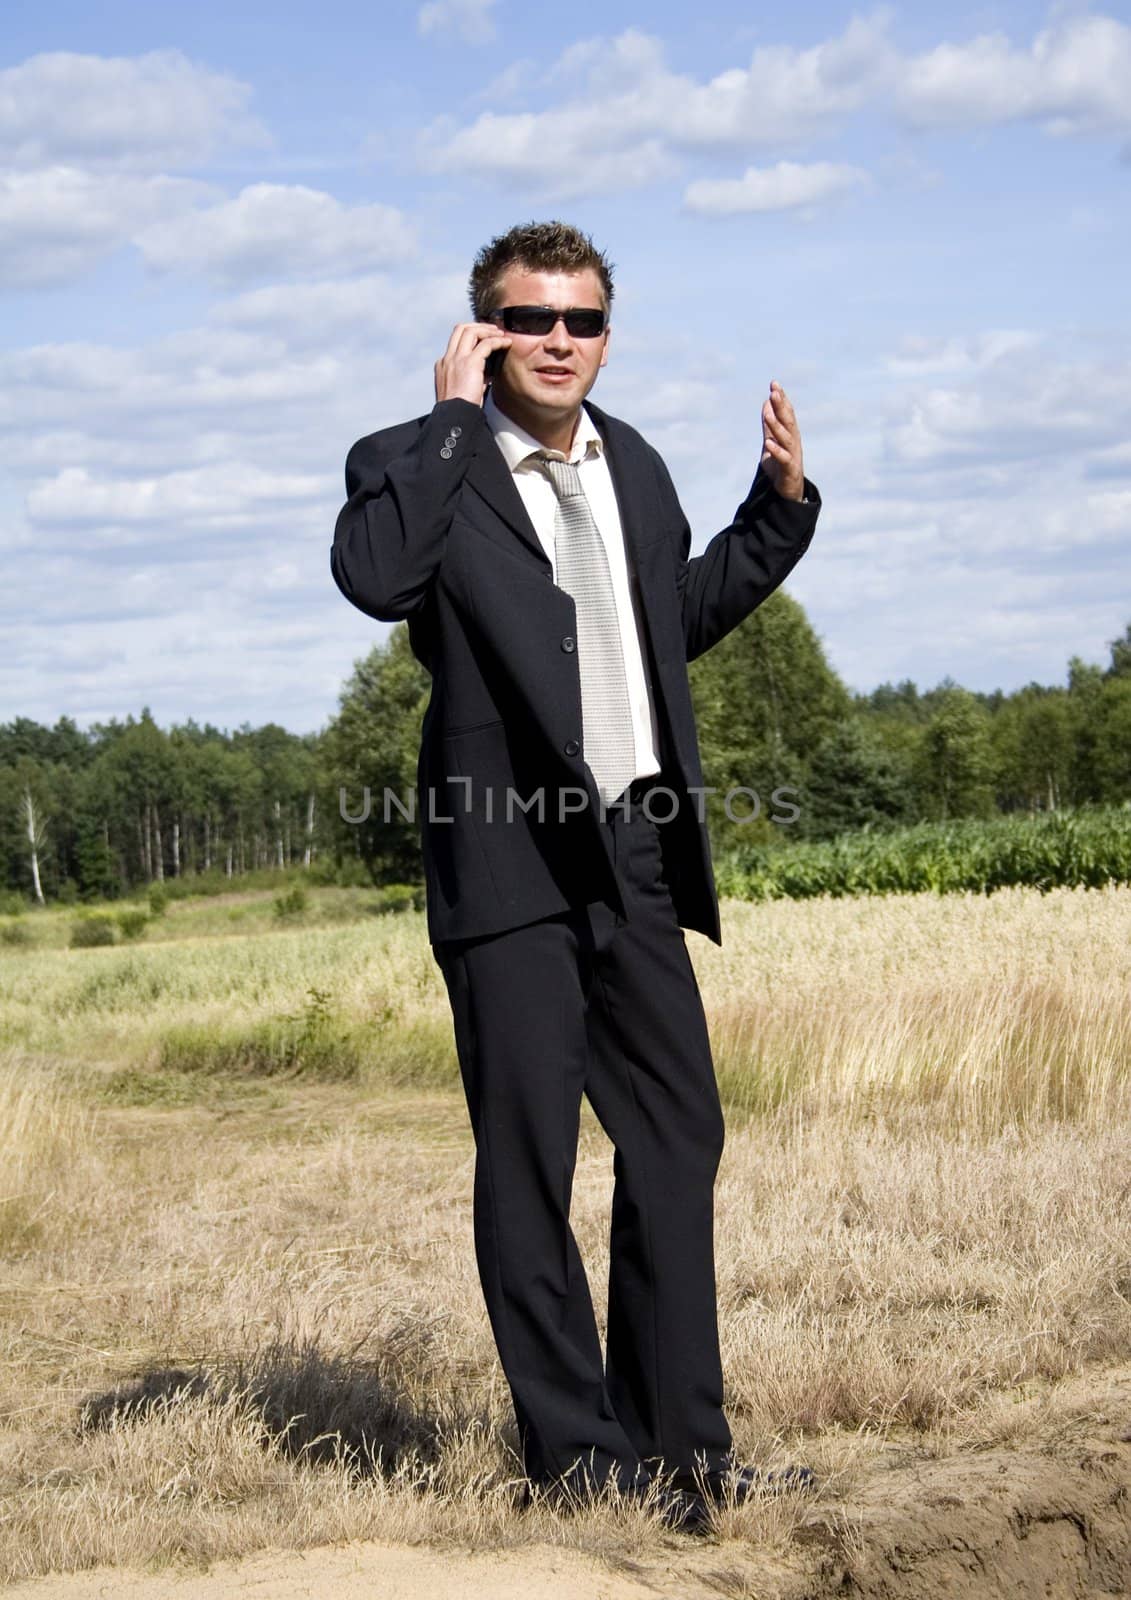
{"x": 104, "y": 812}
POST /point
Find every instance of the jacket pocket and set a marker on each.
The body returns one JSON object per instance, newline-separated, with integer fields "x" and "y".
{"x": 472, "y": 727}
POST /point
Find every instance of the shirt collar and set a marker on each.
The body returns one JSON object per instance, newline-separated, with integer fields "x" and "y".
{"x": 518, "y": 446}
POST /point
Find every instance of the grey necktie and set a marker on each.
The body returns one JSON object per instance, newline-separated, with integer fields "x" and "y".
{"x": 583, "y": 572}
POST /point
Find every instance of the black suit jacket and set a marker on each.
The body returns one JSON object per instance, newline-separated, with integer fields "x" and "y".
{"x": 434, "y": 530}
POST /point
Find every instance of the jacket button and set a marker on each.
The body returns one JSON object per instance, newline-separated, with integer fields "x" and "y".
{"x": 571, "y": 747}
{"x": 446, "y": 453}
{"x": 568, "y": 644}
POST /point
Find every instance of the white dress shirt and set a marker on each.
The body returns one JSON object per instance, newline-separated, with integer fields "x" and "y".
{"x": 533, "y": 484}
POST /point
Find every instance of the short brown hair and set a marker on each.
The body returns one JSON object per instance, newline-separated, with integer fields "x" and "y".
{"x": 538, "y": 247}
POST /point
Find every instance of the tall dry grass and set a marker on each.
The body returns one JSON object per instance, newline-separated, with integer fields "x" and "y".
{"x": 47, "y": 1153}
{"x": 988, "y": 1010}
{"x": 239, "y": 1321}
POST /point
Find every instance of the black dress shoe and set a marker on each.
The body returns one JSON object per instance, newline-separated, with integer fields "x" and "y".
{"x": 725, "y": 1484}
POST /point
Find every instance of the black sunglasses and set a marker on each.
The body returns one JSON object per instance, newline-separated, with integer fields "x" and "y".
{"x": 581, "y": 321}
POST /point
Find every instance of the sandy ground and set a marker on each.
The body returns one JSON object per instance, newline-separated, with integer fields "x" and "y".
{"x": 1051, "y": 1518}
{"x": 348, "y": 1572}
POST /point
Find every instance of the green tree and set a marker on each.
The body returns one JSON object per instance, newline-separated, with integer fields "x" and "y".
{"x": 1120, "y": 655}
{"x": 895, "y": 702}
{"x": 373, "y": 743}
{"x": 855, "y": 781}
{"x": 955, "y": 764}
{"x": 141, "y": 773}
{"x": 765, "y": 696}
{"x": 1033, "y": 737}
{"x": 1085, "y": 691}
{"x": 1112, "y": 754}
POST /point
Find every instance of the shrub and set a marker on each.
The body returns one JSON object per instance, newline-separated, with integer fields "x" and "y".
{"x": 313, "y": 1041}
{"x": 400, "y": 897}
{"x": 158, "y": 900}
{"x": 349, "y": 873}
{"x": 91, "y": 931}
{"x": 291, "y": 904}
{"x": 132, "y": 924}
{"x": 15, "y": 933}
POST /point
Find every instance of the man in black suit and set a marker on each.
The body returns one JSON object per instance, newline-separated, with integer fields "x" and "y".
{"x": 537, "y": 549}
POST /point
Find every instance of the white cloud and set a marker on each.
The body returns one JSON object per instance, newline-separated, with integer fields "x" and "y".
{"x": 199, "y": 379}
{"x": 920, "y": 355}
{"x": 635, "y": 115}
{"x": 961, "y": 530}
{"x": 1073, "y": 78}
{"x": 628, "y": 119}
{"x": 180, "y": 424}
{"x": 1025, "y": 406}
{"x": 138, "y": 113}
{"x": 515, "y": 148}
{"x": 59, "y": 222}
{"x": 277, "y": 231}
{"x": 784, "y": 187}
{"x": 361, "y": 309}
{"x": 469, "y": 20}
{"x": 1111, "y": 513}
{"x": 84, "y": 144}
{"x": 1113, "y": 463}
{"x": 221, "y": 495}
{"x": 187, "y": 487}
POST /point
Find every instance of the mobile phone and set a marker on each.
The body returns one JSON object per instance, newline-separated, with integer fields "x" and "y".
{"x": 493, "y": 362}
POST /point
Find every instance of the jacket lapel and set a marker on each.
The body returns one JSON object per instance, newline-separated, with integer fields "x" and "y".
{"x": 490, "y": 477}
{"x": 625, "y": 484}
{"x": 634, "y": 495}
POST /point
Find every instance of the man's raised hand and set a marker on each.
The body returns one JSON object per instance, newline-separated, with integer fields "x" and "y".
{"x": 781, "y": 445}
{"x": 459, "y": 371}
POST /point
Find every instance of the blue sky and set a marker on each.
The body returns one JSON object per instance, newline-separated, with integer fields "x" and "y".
{"x": 233, "y": 240}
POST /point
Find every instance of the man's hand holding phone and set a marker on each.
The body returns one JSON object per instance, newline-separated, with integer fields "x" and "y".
{"x": 462, "y": 372}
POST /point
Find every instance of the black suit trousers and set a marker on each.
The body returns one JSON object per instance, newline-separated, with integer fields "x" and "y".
{"x": 589, "y": 1002}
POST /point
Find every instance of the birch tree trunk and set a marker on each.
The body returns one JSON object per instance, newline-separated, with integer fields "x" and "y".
{"x": 36, "y": 832}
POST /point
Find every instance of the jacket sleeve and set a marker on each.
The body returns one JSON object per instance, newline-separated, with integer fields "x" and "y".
{"x": 742, "y": 565}
{"x": 390, "y": 534}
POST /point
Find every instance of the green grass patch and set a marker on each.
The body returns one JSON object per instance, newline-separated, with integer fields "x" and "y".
{"x": 315, "y": 1042}
{"x": 138, "y": 1086}
{"x": 127, "y": 985}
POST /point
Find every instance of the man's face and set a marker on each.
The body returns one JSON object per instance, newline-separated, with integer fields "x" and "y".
{"x": 546, "y": 376}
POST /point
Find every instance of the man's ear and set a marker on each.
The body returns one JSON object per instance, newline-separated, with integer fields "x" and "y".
{"x": 605, "y": 351}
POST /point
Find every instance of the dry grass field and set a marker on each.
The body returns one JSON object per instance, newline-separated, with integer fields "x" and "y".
{"x": 239, "y": 1308}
